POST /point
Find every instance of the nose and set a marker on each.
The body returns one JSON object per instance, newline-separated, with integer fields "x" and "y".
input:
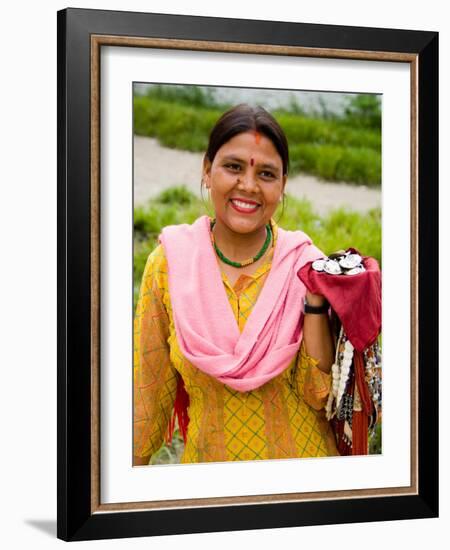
{"x": 248, "y": 181}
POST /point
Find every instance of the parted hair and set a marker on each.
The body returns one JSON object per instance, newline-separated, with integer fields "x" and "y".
{"x": 244, "y": 118}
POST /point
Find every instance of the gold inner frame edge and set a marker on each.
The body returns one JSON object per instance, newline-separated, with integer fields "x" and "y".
{"x": 97, "y": 41}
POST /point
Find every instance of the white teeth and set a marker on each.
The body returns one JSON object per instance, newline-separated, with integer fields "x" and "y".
{"x": 245, "y": 205}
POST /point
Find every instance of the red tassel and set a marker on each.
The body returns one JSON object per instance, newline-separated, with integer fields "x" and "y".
{"x": 360, "y": 421}
{"x": 360, "y": 379}
{"x": 179, "y": 410}
{"x": 360, "y": 426}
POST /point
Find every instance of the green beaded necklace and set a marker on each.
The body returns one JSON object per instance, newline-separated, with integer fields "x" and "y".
{"x": 246, "y": 262}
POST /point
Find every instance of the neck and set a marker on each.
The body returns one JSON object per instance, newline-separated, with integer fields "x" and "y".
{"x": 238, "y": 246}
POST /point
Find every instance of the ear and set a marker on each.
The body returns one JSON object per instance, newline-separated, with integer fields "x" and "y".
{"x": 284, "y": 182}
{"x": 206, "y": 172}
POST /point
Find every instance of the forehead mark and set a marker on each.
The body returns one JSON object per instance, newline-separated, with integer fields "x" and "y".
{"x": 252, "y": 161}
{"x": 257, "y": 137}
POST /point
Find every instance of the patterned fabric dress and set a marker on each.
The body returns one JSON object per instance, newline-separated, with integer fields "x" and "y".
{"x": 284, "y": 418}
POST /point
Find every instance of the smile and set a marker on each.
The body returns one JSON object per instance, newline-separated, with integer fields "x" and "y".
{"x": 243, "y": 206}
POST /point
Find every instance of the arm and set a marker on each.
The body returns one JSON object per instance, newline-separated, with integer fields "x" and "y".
{"x": 313, "y": 377}
{"x": 317, "y": 334}
{"x": 312, "y": 383}
{"x": 155, "y": 379}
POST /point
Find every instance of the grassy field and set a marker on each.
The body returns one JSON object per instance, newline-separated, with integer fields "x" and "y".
{"x": 340, "y": 229}
{"x": 345, "y": 148}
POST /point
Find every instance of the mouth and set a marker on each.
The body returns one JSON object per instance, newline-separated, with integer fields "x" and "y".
{"x": 244, "y": 206}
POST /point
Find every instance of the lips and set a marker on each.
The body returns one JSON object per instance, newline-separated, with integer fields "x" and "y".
{"x": 247, "y": 201}
{"x": 244, "y": 205}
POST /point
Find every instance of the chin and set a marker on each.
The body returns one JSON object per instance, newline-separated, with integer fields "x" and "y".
{"x": 244, "y": 226}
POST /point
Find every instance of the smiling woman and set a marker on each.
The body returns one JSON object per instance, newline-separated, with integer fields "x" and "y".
{"x": 222, "y": 339}
{"x": 246, "y": 181}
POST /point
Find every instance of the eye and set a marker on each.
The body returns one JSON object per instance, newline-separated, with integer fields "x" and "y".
{"x": 267, "y": 174}
{"x": 233, "y": 166}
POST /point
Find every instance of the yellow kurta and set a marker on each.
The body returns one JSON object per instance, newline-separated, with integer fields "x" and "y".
{"x": 284, "y": 418}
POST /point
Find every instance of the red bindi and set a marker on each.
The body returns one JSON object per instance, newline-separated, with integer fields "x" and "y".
{"x": 252, "y": 162}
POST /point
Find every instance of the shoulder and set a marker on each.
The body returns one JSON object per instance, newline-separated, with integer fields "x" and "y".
{"x": 185, "y": 240}
{"x": 157, "y": 257}
{"x": 183, "y": 232}
{"x": 314, "y": 250}
{"x": 301, "y": 242}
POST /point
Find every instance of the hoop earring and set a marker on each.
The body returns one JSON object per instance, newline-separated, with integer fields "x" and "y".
{"x": 211, "y": 215}
{"x": 282, "y": 208}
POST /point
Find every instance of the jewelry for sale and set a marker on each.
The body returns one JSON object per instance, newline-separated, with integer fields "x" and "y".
{"x": 347, "y": 263}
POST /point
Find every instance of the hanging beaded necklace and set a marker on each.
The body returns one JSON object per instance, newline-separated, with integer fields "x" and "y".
{"x": 246, "y": 262}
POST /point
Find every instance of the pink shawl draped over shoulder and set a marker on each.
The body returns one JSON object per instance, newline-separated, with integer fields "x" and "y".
{"x": 206, "y": 329}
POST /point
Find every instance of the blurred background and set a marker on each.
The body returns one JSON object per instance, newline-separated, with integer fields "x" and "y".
{"x": 334, "y": 182}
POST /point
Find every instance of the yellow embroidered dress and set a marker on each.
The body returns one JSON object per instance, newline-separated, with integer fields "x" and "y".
{"x": 284, "y": 418}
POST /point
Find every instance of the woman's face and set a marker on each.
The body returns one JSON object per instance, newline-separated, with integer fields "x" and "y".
{"x": 246, "y": 181}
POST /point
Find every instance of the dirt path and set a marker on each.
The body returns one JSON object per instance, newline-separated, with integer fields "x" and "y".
{"x": 157, "y": 167}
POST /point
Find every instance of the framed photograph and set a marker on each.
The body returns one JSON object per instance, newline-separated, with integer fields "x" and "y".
{"x": 138, "y": 97}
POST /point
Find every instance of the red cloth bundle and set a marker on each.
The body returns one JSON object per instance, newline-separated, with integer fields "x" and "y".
{"x": 356, "y": 299}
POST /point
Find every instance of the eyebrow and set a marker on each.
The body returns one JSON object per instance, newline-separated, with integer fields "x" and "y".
{"x": 238, "y": 159}
{"x": 271, "y": 166}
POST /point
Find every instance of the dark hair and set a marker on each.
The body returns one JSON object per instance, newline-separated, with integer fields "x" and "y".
{"x": 244, "y": 118}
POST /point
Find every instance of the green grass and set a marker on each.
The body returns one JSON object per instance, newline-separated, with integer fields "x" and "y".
{"x": 170, "y": 454}
{"x": 332, "y": 149}
{"x": 339, "y": 229}
{"x": 375, "y": 441}
{"x": 355, "y": 165}
{"x": 192, "y": 96}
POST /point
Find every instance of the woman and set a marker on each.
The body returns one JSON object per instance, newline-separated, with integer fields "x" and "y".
{"x": 251, "y": 386}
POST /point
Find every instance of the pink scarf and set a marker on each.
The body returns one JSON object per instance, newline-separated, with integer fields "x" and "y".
{"x": 206, "y": 329}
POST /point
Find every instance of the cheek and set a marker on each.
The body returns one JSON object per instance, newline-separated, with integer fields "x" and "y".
{"x": 273, "y": 196}
{"x": 217, "y": 176}
{"x": 223, "y": 181}
{"x": 218, "y": 196}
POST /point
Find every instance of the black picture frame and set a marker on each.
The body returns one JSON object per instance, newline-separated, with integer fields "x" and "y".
{"x": 79, "y": 514}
